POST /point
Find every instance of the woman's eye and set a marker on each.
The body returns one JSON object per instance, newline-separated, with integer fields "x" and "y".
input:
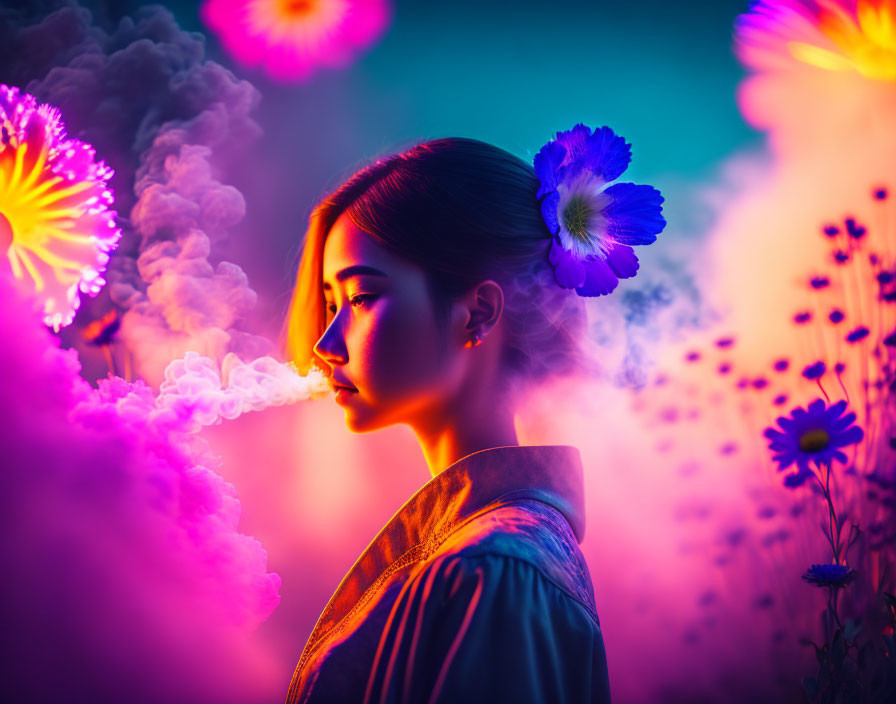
{"x": 360, "y": 298}
{"x": 354, "y": 302}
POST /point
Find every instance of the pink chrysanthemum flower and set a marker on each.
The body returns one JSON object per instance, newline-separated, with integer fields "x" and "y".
{"x": 832, "y": 35}
{"x": 291, "y": 38}
{"x": 55, "y": 224}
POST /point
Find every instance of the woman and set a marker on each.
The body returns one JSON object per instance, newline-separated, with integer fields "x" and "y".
{"x": 427, "y": 292}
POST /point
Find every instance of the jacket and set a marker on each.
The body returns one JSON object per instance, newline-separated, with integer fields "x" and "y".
{"x": 474, "y": 591}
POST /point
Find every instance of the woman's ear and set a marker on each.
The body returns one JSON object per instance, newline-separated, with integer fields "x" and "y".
{"x": 484, "y": 305}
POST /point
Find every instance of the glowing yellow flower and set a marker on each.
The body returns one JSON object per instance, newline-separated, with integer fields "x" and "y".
{"x": 834, "y": 35}
{"x": 55, "y": 225}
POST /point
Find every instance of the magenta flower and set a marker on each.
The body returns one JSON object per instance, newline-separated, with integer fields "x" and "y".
{"x": 292, "y": 38}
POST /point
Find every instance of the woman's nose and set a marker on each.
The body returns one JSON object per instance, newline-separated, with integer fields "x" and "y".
{"x": 331, "y": 345}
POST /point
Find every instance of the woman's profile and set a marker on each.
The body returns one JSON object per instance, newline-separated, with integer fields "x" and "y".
{"x": 430, "y": 293}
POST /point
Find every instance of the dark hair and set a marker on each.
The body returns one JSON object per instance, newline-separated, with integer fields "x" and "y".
{"x": 464, "y": 211}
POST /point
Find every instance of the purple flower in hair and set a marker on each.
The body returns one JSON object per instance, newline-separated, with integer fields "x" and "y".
{"x": 593, "y": 224}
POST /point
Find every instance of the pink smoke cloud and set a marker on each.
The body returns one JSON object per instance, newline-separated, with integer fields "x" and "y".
{"x": 124, "y": 559}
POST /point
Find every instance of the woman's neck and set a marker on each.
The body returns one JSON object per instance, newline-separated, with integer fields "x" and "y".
{"x": 475, "y": 426}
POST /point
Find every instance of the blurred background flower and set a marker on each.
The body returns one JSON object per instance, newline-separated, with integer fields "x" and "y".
{"x": 833, "y": 35}
{"x": 292, "y": 39}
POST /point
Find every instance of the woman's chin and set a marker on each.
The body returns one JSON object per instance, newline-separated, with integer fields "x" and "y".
{"x": 364, "y": 421}
{"x": 359, "y": 422}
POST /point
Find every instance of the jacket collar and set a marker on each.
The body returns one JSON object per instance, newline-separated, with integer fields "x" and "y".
{"x": 551, "y": 474}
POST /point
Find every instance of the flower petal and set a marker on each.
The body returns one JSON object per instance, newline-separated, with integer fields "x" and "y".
{"x": 634, "y": 215}
{"x": 622, "y": 261}
{"x": 839, "y": 456}
{"x": 773, "y": 434}
{"x": 568, "y": 271}
{"x": 786, "y": 423}
{"x": 606, "y": 154}
{"x": 599, "y": 279}
{"x": 547, "y": 167}
{"x": 816, "y": 407}
{"x": 849, "y": 437}
{"x": 796, "y": 479}
{"x": 549, "y": 212}
{"x": 842, "y": 423}
{"x": 574, "y": 141}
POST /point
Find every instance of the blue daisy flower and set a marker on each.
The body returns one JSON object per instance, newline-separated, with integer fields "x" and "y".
{"x": 814, "y": 435}
{"x": 829, "y": 575}
{"x": 593, "y": 224}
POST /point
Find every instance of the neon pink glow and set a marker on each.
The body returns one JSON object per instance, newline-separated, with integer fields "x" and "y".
{"x": 291, "y": 38}
{"x": 55, "y": 224}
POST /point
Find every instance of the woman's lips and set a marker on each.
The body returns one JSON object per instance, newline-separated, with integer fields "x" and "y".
{"x": 343, "y": 392}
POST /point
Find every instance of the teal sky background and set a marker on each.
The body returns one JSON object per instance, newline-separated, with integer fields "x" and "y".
{"x": 661, "y": 74}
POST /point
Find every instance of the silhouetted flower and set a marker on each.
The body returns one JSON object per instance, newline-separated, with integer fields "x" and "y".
{"x": 829, "y": 575}
{"x": 854, "y": 230}
{"x": 814, "y": 371}
{"x": 102, "y": 330}
{"x": 859, "y": 333}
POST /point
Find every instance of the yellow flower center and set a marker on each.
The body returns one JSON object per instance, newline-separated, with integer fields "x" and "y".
{"x": 294, "y": 9}
{"x": 814, "y": 440}
{"x": 576, "y": 216}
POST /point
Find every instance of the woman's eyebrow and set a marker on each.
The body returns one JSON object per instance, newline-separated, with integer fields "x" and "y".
{"x": 356, "y": 270}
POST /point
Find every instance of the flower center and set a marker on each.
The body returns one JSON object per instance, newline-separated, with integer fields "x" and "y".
{"x": 296, "y": 8}
{"x": 814, "y": 440}
{"x": 576, "y": 216}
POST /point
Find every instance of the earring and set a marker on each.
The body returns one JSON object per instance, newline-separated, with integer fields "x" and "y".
{"x": 474, "y": 341}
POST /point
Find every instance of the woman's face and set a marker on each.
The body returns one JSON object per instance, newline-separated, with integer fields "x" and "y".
{"x": 382, "y": 336}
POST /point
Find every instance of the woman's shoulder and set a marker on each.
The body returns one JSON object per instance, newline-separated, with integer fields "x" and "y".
{"x": 482, "y": 621}
{"x": 514, "y": 541}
